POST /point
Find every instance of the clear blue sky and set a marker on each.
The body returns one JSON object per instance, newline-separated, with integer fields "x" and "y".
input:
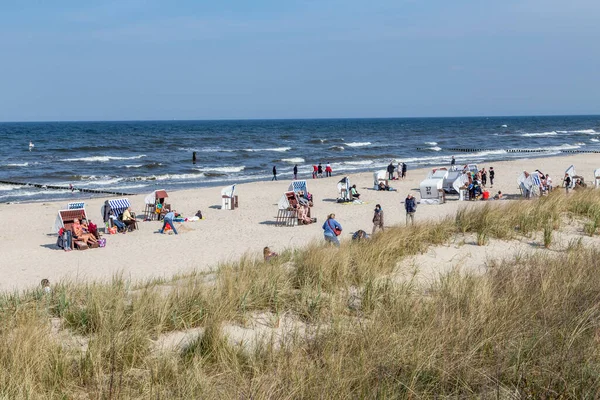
{"x": 134, "y": 59}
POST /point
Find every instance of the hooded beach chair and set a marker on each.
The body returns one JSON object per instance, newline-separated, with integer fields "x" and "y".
{"x": 571, "y": 172}
{"x": 287, "y": 213}
{"x": 229, "y": 200}
{"x": 154, "y": 198}
{"x": 76, "y": 205}
{"x": 65, "y": 219}
{"x": 597, "y": 177}
{"x": 380, "y": 176}
{"x": 343, "y": 187}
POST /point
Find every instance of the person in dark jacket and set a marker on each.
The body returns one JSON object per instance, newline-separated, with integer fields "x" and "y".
{"x": 410, "y": 205}
{"x": 404, "y": 168}
{"x": 320, "y": 170}
{"x": 331, "y": 230}
{"x": 377, "y": 219}
{"x": 492, "y": 175}
{"x": 295, "y": 171}
{"x": 390, "y": 171}
{"x": 274, "y": 173}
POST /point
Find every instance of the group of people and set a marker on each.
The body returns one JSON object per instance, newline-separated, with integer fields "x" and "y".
{"x": 303, "y": 208}
{"x": 478, "y": 181}
{"x": 332, "y": 228}
{"x": 318, "y": 171}
{"x": 401, "y": 170}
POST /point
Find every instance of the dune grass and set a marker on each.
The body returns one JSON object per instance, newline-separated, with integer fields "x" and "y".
{"x": 527, "y": 328}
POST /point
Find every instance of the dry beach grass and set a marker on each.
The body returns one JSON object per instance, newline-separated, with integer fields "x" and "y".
{"x": 334, "y": 323}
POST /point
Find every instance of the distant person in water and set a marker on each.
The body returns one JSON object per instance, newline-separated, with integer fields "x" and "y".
{"x": 295, "y": 171}
{"x": 274, "y": 173}
{"x": 328, "y": 170}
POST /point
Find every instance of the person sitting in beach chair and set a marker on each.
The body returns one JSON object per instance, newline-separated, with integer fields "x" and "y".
{"x": 80, "y": 234}
{"x": 115, "y": 221}
{"x": 129, "y": 219}
{"x": 354, "y": 193}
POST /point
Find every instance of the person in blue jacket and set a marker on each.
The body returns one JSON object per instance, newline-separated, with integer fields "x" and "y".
{"x": 331, "y": 230}
{"x": 168, "y": 220}
{"x": 410, "y": 205}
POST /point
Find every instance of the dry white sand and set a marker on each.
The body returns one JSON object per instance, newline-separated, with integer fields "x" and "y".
{"x": 28, "y": 251}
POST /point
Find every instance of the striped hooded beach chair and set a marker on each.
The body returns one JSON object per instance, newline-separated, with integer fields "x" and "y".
{"x": 76, "y": 205}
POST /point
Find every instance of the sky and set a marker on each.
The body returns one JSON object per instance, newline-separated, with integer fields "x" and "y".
{"x": 240, "y": 59}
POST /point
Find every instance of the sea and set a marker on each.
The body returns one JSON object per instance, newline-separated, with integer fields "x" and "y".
{"x": 142, "y": 156}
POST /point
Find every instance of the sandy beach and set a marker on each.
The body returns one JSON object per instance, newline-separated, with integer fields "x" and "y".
{"x": 29, "y": 253}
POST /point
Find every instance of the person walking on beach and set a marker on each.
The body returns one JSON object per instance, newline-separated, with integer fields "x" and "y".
{"x": 390, "y": 171}
{"x": 315, "y": 169}
{"x": 404, "y": 168}
{"x": 377, "y": 219}
{"x": 328, "y": 170}
{"x": 296, "y": 172}
{"x": 410, "y": 205}
{"x": 168, "y": 220}
{"x": 453, "y": 162}
{"x": 331, "y": 230}
{"x": 274, "y": 178}
{"x": 492, "y": 174}
{"x": 567, "y": 181}
{"x": 320, "y": 170}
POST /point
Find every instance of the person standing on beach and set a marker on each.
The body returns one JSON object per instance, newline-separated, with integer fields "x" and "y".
{"x": 315, "y": 169}
{"x": 295, "y": 171}
{"x": 331, "y": 230}
{"x": 328, "y": 170}
{"x": 377, "y": 219}
{"x": 453, "y": 162}
{"x": 404, "y": 168}
{"x": 410, "y": 205}
{"x": 483, "y": 177}
{"x": 390, "y": 171}
{"x": 274, "y": 178}
{"x": 567, "y": 181}
{"x": 492, "y": 174}
{"x": 320, "y": 170}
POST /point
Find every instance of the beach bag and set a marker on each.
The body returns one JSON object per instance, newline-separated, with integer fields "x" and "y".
{"x": 102, "y": 242}
{"x": 335, "y": 229}
{"x": 112, "y": 230}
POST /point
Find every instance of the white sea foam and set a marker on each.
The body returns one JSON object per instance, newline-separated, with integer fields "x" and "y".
{"x": 553, "y": 133}
{"x": 363, "y": 162}
{"x": 134, "y": 166}
{"x": 579, "y": 144}
{"x": 9, "y": 187}
{"x": 431, "y": 143}
{"x": 586, "y": 131}
{"x": 435, "y": 148}
{"x": 294, "y": 160}
{"x": 504, "y": 126}
{"x": 222, "y": 169}
{"x": 17, "y": 164}
{"x": 103, "y": 158}
{"x": 358, "y": 144}
{"x": 165, "y": 177}
{"x": 336, "y": 148}
{"x": 278, "y": 149}
{"x": 594, "y": 140}
{"x": 103, "y": 182}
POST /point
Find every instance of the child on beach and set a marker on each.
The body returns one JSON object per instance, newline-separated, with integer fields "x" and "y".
{"x": 268, "y": 254}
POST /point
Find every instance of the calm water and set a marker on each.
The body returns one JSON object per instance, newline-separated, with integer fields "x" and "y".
{"x": 138, "y": 157}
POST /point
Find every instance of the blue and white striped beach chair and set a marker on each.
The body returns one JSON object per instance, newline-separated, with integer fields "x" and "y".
{"x": 297, "y": 186}
{"x": 118, "y": 206}
{"x": 76, "y": 205}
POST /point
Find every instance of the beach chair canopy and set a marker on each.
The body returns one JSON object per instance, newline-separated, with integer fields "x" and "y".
{"x": 381, "y": 175}
{"x": 157, "y": 194}
{"x": 597, "y": 173}
{"x": 284, "y": 201}
{"x": 571, "y": 172}
{"x": 297, "y": 186}
{"x": 75, "y": 205}
{"x": 66, "y": 217}
{"x": 228, "y": 191}
{"x": 343, "y": 187}
{"x": 118, "y": 206}
{"x": 460, "y": 181}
